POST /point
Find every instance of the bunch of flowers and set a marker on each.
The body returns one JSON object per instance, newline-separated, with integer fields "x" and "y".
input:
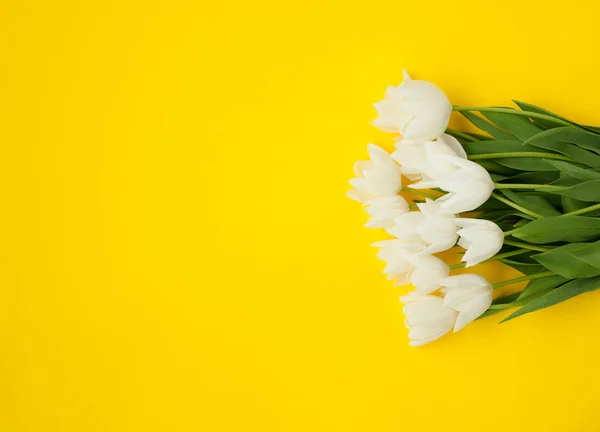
{"x": 528, "y": 188}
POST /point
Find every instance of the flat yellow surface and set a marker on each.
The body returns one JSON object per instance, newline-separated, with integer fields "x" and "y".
{"x": 177, "y": 251}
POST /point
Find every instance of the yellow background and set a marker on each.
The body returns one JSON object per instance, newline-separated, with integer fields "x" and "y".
{"x": 177, "y": 252}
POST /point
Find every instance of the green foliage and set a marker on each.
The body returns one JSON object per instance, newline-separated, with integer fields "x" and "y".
{"x": 558, "y": 295}
{"x": 560, "y": 229}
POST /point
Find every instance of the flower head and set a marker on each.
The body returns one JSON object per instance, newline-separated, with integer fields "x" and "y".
{"x": 433, "y": 227}
{"x": 383, "y": 210}
{"x": 427, "y": 317}
{"x": 405, "y": 265}
{"x": 377, "y": 177}
{"x": 421, "y": 161}
{"x": 481, "y": 238}
{"x": 417, "y": 109}
{"x": 468, "y": 185}
{"x": 468, "y": 294}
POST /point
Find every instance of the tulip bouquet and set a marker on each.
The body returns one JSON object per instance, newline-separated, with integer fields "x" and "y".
{"x": 524, "y": 190}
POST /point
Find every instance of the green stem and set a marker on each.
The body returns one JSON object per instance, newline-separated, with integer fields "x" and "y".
{"x": 516, "y": 206}
{"x": 421, "y": 193}
{"x": 523, "y": 279}
{"x": 506, "y": 305}
{"x": 460, "y": 134}
{"x": 583, "y": 210}
{"x": 495, "y": 257}
{"x": 516, "y": 112}
{"x": 525, "y": 186}
{"x": 526, "y": 246}
{"x": 543, "y": 155}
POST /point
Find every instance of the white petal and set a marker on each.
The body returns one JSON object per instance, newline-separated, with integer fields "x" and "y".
{"x": 380, "y": 157}
{"x": 407, "y": 226}
{"x": 429, "y": 107}
{"x": 476, "y": 307}
{"x": 357, "y": 195}
{"x": 360, "y": 166}
{"x": 428, "y": 273}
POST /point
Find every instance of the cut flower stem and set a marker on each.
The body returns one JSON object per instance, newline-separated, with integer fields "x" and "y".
{"x": 516, "y": 206}
{"x": 523, "y": 279}
{"x": 583, "y": 210}
{"x": 526, "y": 246}
{"x": 460, "y": 134}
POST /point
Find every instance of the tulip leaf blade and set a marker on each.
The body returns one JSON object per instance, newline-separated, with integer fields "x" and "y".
{"x": 563, "y": 261}
{"x": 518, "y": 125}
{"x": 497, "y": 146}
{"x": 589, "y": 254}
{"x": 574, "y": 171}
{"x": 570, "y": 204}
{"x": 525, "y": 268}
{"x": 558, "y": 140}
{"x": 536, "y": 177}
{"x": 486, "y": 126}
{"x": 540, "y": 286}
{"x": 557, "y": 295}
{"x": 535, "y": 203}
{"x": 573, "y": 229}
{"x": 547, "y": 124}
{"x": 525, "y": 163}
{"x": 588, "y": 191}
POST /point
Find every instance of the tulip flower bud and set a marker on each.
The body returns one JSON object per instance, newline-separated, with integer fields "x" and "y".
{"x": 427, "y": 318}
{"x": 416, "y": 109}
{"x": 468, "y": 294}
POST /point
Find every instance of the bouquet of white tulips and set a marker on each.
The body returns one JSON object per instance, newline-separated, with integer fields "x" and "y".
{"x": 528, "y": 188}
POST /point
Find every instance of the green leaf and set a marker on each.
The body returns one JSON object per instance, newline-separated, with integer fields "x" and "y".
{"x": 587, "y": 140}
{"x": 486, "y": 126}
{"x": 589, "y": 254}
{"x": 588, "y": 191}
{"x": 562, "y": 261}
{"x": 560, "y": 229}
{"x": 571, "y": 204}
{"x": 539, "y": 286}
{"x": 494, "y": 168}
{"x": 500, "y": 215}
{"x": 583, "y": 174}
{"x": 557, "y": 140}
{"x": 525, "y": 163}
{"x": 558, "y": 295}
{"x": 518, "y": 125}
{"x": 544, "y": 123}
{"x": 525, "y": 268}
{"x": 535, "y": 203}
{"x": 539, "y": 177}
{"x": 500, "y": 300}
{"x": 497, "y": 146}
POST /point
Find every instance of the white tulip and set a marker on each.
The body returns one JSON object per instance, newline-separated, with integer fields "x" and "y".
{"x": 421, "y": 161}
{"x": 427, "y": 318}
{"x": 383, "y": 211}
{"x": 432, "y": 226}
{"x": 377, "y": 177}
{"x": 405, "y": 265}
{"x": 469, "y": 185}
{"x": 481, "y": 238}
{"x": 417, "y": 109}
{"x": 411, "y": 157}
{"x": 468, "y": 294}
